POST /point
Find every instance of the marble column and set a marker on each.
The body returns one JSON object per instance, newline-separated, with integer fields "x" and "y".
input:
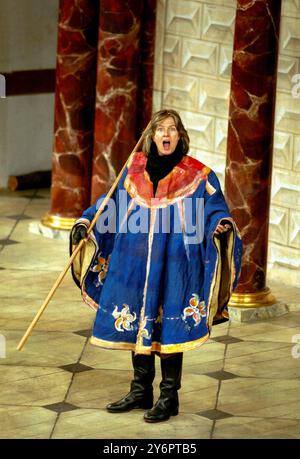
{"x": 74, "y": 111}
{"x": 124, "y": 85}
{"x": 147, "y": 47}
{"x": 250, "y": 141}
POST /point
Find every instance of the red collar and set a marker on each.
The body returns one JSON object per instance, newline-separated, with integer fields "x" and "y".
{"x": 182, "y": 181}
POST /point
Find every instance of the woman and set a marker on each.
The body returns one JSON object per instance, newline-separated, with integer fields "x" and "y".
{"x": 160, "y": 273}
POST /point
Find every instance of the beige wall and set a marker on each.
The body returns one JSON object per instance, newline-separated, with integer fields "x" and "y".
{"x": 194, "y": 42}
{"x": 284, "y": 246}
{"x": 28, "y": 37}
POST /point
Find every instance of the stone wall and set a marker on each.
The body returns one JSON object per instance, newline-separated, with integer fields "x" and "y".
{"x": 194, "y": 42}
{"x": 284, "y": 237}
{"x": 28, "y": 35}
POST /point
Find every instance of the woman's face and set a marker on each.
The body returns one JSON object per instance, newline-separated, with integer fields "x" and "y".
{"x": 166, "y": 136}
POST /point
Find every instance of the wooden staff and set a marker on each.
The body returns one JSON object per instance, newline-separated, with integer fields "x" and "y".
{"x": 79, "y": 246}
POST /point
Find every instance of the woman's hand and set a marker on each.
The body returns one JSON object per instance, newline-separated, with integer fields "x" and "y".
{"x": 79, "y": 233}
{"x": 222, "y": 228}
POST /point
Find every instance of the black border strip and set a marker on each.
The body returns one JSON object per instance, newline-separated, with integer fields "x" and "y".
{"x": 30, "y": 82}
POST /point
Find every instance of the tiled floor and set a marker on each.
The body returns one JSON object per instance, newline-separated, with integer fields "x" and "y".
{"x": 243, "y": 383}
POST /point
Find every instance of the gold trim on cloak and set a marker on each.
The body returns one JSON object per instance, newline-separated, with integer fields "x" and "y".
{"x": 221, "y": 286}
{"x": 162, "y": 348}
{"x": 143, "y": 319}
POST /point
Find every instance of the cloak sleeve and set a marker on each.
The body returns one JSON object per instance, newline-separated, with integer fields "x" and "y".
{"x": 223, "y": 253}
{"x": 90, "y": 266}
{"x": 93, "y": 258}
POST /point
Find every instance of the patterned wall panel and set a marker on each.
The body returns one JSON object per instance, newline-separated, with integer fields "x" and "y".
{"x": 194, "y": 42}
{"x": 283, "y": 150}
{"x": 201, "y": 129}
{"x": 218, "y": 24}
{"x": 296, "y": 158}
{"x": 284, "y": 252}
{"x": 290, "y": 36}
{"x": 221, "y": 136}
{"x": 225, "y": 60}
{"x": 279, "y": 225}
{"x": 199, "y": 57}
{"x": 294, "y": 234}
{"x": 180, "y": 92}
{"x": 287, "y": 67}
{"x": 213, "y": 97}
{"x": 290, "y": 8}
{"x": 183, "y": 18}
{"x": 172, "y": 52}
{"x": 283, "y": 263}
{"x": 287, "y": 112}
{"x": 286, "y": 189}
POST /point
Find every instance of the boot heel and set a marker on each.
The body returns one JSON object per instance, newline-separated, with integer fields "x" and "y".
{"x": 175, "y": 412}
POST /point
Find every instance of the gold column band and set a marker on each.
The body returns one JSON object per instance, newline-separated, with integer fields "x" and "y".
{"x": 57, "y": 222}
{"x": 252, "y": 300}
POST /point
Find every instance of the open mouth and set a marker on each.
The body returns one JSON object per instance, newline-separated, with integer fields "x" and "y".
{"x": 166, "y": 144}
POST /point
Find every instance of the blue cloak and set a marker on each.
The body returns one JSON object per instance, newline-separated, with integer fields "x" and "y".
{"x": 152, "y": 269}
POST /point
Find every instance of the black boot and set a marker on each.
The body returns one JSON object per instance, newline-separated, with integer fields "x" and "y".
{"x": 168, "y": 403}
{"x": 141, "y": 390}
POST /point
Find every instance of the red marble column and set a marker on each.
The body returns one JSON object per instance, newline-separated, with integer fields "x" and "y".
{"x": 147, "y": 46}
{"x": 74, "y": 111}
{"x": 250, "y": 137}
{"x": 124, "y": 82}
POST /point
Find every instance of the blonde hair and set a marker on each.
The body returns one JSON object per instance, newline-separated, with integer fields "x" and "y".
{"x": 157, "y": 118}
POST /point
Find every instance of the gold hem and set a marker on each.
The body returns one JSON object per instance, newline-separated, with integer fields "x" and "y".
{"x": 162, "y": 348}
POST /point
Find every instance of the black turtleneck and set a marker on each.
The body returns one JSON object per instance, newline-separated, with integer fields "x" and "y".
{"x": 159, "y": 166}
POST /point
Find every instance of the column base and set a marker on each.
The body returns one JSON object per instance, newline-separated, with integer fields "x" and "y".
{"x": 246, "y": 307}
{"x": 53, "y": 227}
{"x": 252, "y": 300}
{"x": 238, "y": 314}
{"x": 58, "y": 223}
{"x": 36, "y": 227}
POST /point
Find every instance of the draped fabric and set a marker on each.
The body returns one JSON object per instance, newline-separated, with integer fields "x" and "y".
{"x": 154, "y": 272}
{"x": 158, "y": 166}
